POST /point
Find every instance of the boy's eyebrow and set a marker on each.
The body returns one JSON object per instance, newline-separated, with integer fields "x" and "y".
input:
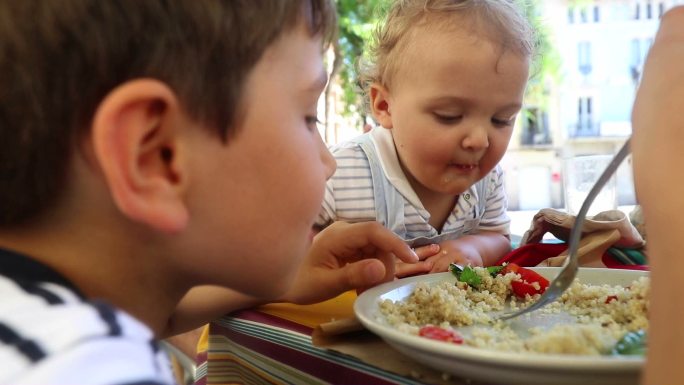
{"x": 319, "y": 83}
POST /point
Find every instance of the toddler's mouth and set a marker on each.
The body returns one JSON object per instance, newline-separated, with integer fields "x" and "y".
{"x": 464, "y": 167}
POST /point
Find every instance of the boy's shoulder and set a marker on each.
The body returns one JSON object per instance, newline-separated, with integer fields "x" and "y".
{"x": 55, "y": 336}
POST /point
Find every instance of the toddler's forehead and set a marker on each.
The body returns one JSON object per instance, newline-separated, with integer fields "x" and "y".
{"x": 423, "y": 41}
{"x": 472, "y": 23}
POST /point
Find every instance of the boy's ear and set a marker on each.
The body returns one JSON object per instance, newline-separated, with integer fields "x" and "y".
{"x": 139, "y": 150}
{"x": 380, "y": 106}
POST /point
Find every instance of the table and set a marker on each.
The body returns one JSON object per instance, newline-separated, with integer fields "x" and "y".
{"x": 273, "y": 345}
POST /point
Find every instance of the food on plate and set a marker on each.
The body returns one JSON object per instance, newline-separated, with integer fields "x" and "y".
{"x": 632, "y": 343}
{"x": 529, "y": 281}
{"x": 440, "y": 334}
{"x": 587, "y": 319}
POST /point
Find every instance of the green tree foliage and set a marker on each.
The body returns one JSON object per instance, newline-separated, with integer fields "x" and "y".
{"x": 357, "y": 19}
{"x": 546, "y": 62}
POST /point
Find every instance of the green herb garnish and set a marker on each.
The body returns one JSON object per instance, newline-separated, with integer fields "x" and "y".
{"x": 494, "y": 270}
{"x": 632, "y": 343}
{"x": 465, "y": 274}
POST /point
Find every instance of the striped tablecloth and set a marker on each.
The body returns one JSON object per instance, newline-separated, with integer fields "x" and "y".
{"x": 272, "y": 345}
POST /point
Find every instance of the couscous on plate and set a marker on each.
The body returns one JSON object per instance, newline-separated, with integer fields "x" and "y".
{"x": 588, "y": 319}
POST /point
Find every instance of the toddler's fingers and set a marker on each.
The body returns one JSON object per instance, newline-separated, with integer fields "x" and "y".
{"x": 426, "y": 251}
{"x": 442, "y": 264}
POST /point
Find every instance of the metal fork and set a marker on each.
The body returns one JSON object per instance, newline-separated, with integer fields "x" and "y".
{"x": 564, "y": 279}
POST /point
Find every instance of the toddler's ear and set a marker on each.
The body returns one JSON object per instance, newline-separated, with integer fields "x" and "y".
{"x": 139, "y": 150}
{"x": 380, "y": 106}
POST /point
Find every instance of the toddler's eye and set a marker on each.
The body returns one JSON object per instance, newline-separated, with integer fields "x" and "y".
{"x": 503, "y": 122}
{"x": 446, "y": 118}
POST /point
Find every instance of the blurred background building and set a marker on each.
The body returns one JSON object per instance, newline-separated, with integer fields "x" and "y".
{"x": 601, "y": 46}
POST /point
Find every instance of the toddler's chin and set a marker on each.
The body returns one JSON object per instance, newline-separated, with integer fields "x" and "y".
{"x": 453, "y": 189}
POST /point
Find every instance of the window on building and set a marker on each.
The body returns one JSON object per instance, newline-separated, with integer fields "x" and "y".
{"x": 583, "y": 15}
{"x": 597, "y": 14}
{"x": 584, "y": 117}
{"x": 661, "y": 9}
{"x": 571, "y": 15}
{"x": 635, "y": 60}
{"x": 635, "y": 56}
{"x": 649, "y": 10}
{"x": 637, "y": 13}
{"x": 638, "y": 52}
{"x": 584, "y": 57}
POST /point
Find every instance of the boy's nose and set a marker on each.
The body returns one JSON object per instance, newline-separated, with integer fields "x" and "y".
{"x": 327, "y": 159}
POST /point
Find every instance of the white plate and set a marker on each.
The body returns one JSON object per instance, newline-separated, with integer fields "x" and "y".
{"x": 502, "y": 367}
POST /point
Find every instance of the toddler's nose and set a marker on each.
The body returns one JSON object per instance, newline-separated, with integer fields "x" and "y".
{"x": 477, "y": 138}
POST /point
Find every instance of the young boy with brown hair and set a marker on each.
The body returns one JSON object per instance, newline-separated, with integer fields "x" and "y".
{"x": 150, "y": 147}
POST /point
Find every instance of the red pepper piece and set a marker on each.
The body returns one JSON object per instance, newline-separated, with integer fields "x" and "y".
{"x": 527, "y": 278}
{"x": 509, "y": 268}
{"x": 520, "y": 289}
{"x": 440, "y": 334}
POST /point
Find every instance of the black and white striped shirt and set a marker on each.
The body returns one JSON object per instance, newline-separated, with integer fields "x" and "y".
{"x": 51, "y": 334}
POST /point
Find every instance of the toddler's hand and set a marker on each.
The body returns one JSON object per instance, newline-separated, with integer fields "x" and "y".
{"x": 424, "y": 266}
{"x": 460, "y": 253}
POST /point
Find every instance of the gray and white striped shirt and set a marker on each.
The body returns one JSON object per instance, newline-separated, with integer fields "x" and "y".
{"x": 349, "y": 194}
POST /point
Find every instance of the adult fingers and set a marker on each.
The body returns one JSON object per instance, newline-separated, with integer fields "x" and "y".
{"x": 409, "y": 269}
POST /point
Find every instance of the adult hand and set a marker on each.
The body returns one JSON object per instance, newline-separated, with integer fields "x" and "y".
{"x": 658, "y": 125}
{"x": 347, "y": 256}
{"x": 659, "y": 97}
